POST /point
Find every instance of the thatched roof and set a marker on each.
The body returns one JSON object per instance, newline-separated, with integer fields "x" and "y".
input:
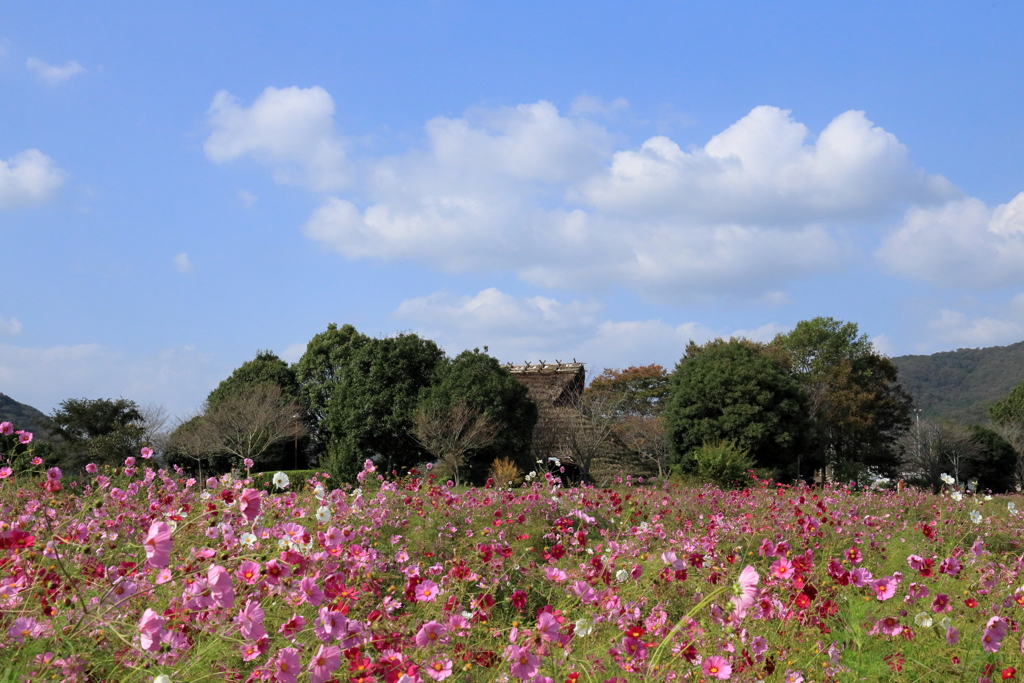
{"x": 551, "y": 385}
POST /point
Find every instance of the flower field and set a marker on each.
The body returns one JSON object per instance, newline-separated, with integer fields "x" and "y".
{"x": 146, "y": 575}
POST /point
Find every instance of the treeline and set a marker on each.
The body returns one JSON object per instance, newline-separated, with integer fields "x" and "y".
{"x": 817, "y": 402}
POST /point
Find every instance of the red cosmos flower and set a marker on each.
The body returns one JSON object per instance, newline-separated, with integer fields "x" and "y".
{"x": 971, "y": 602}
{"x": 1008, "y": 673}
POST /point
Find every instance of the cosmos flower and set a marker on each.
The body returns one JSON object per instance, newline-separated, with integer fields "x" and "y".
{"x": 718, "y": 667}
{"x": 281, "y": 480}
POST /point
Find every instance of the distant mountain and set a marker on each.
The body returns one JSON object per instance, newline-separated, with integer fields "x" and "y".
{"x": 960, "y": 385}
{"x": 23, "y": 416}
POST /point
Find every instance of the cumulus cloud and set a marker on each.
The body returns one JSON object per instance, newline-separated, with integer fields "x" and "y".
{"x": 247, "y": 198}
{"x": 528, "y": 190}
{"x": 289, "y": 129}
{"x": 28, "y": 178}
{"x": 10, "y": 327}
{"x": 182, "y": 263}
{"x": 178, "y": 378}
{"x": 959, "y": 243}
{"x": 540, "y": 328}
{"x": 51, "y": 74}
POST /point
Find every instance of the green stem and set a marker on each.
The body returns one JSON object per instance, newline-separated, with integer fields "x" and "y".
{"x": 656, "y": 657}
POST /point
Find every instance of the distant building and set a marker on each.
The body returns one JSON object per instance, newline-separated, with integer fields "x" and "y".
{"x": 554, "y": 387}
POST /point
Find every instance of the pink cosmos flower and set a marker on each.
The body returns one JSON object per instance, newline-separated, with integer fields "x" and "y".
{"x": 995, "y": 631}
{"x": 781, "y": 569}
{"x": 950, "y": 566}
{"x": 6, "y": 428}
{"x": 430, "y": 633}
{"x": 426, "y": 591}
{"x": 151, "y": 630}
{"x": 248, "y": 463}
{"x": 916, "y": 562}
{"x": 218, "y": 580}
{"x": 525, "y": 664}
{"x": 671, "y": 560}
{"x": 249, "y": 504}
{"x": 555, "y": 574}
{"x": 286, "y": 666}
{"x": 248, "y": 572}
{"x": 5, "y": 472}
{"x": 91, "y": 468}
{"x": 292, "y": 626}
{"x": 440, "y": 669}
{"x": 885, "y": 588}
{"x": 54, "y": 473}
{"x": 311, "y": 592}
{"x": 36, "y": 461}
{"x": 25, "y": 437}
{"x": 23, "y": 627}
{"x": 324, "y": 663}
{"x": 146, "y": 452}
{"x": 860, "y": 577}
{"x": 890, "y": 626}
{"x": 953, "y": 636}
{"x": 158, "y": 544}
{"x": 250, "y": 621}
{"x": 745, "y": 591}
{"x": 716, "y": 666}
{"x": 941, "y": 603}
{"x": 129, "y": 461}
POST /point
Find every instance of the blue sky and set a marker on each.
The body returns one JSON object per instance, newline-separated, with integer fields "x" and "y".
{"x": 181, "y": 187}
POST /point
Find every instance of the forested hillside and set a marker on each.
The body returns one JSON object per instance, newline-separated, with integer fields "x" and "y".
{"x": 23, "y": 416}
{"x": 960, "y": 385}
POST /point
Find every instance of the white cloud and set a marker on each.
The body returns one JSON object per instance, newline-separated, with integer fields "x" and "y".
{"x": 10, "y": 327}
{"x": 294, "y": 352}
{"x": 247, "y": 198}
{"x": 540, "y": 328}
{"x": 960, "y": 243}
{"x": 289, "y": 129}
{"x": 527, "y": 190}
{"x": 53, "y": 75}
{"x": 182, "y": 263}
{"x": 43, "y": 377}
{"x": 589, "y": 105}
{"x": 27, "y": 178}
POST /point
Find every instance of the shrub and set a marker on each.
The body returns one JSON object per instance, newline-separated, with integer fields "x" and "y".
{"x": 723, "y": 463}
{"x": 505, "y": 472}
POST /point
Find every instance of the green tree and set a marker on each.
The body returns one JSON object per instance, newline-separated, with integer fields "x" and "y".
{"x": 101, "y": 431}
{"x": 483, "y": 384}
{"x": 265, "y": 368}
{"x": 736, "y": 390}
{"x": 318, "y": 373}
{"x": 995, "y": 465}
{"x": 370, "y": 411}
{"x": 858, "y": 409}
{"x": 642, "y": 389}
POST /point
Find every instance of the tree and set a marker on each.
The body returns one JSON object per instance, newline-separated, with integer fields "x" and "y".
{"x": 101, "y": 431}
{"x": 645, "y": 436}
{"x": 995, "y": 465}
{"x": 643, "y": 389}
{"x": 741, "y": 391}
{"x": 483, "y": 384}
{"x": 932, "y": 449}
{"x": 1007, "y": 417}
{"x": 265, "y": 368}
{"x": 587, "y": 426}
{"x": 857, "y": 408}
{"x": 370, "y": 411}
{"x": 318, "y": 373}
{"x": 450, "y": 432}
{"x": 192, "y": 442}
{"x": 249, "y": 420}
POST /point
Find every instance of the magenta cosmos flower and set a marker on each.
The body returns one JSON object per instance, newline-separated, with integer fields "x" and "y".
{"x": 146, "y": 452}
{"x": 995, "y": 631}
{"x": 158, "y": 544}
{"x": 716, "y": 666}
{"x": 430, "y": 633}
{"x": 439, "y": 669}
{"x": 426, "y": 592}
{"x": 885, "y": 588}
{"x": 286, "y": 666}
{"x": 151, "y": 630}
{"x": 249, "y": 504}
{"x": 6, "y": 428}
{"x": 325, "y": 662}
{"x": 525, "y": 664}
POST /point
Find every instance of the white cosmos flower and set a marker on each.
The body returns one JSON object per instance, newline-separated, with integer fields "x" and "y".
{"x": 946, "y": 622}
{"x": 162, "y": 678}
{"x": 987, "y": 497}
{"x": 1012, "y": 507}
{"x": 323, "y": 514}
{"x": 621, "y": 575}
{"x": 281, "y": 480}
{"x": 247, "y": 539}
{"x": 946, "y": 478}
{"x": 320, "y": 492}
{"x": 957, "y": 496}
{"x": 924, "y": 620}
{"x": 976, "y": 517}
{"x": 584, "y": 627}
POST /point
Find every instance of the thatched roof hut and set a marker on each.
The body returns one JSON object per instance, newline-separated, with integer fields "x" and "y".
{"x": 554, "y": 387}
